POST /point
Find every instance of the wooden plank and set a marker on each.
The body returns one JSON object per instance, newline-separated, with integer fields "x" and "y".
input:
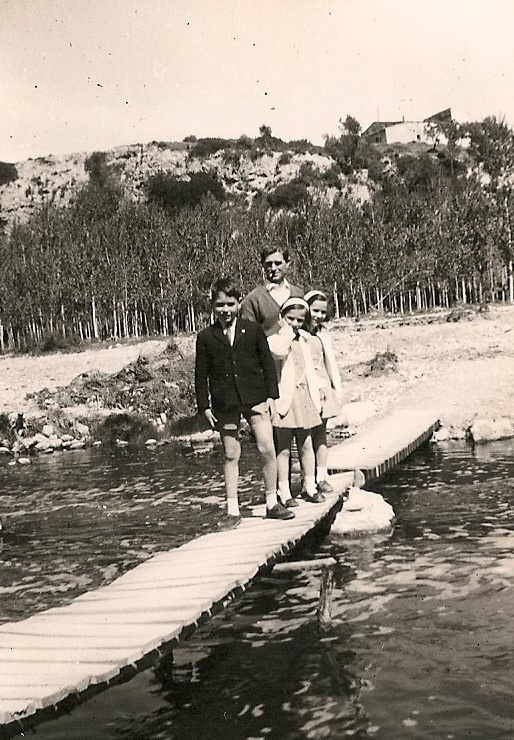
{"x": 382, "y": 443}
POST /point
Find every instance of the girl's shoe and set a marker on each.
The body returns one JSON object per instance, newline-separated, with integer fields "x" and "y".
{"x": 229, "y": 521}
{"x": 313, "y": 498}
{"x": 289, "y": 503}
{"x": 325, "y": 487}
{"x": 279, "y": 512}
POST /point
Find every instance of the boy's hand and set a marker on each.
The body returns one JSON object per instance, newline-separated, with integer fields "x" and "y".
{"x": 209, "y": 415}
{"x": 272, "y": 411}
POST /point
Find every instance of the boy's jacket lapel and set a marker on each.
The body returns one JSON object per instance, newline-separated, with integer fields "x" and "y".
{"x": 217, "y": 332}
{"x": 240, "y": 330}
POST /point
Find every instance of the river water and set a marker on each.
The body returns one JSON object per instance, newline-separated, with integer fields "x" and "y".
{"x": 421, "y": 644}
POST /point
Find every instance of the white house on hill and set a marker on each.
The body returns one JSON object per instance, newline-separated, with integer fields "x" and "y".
{"x": 406, "y": 132}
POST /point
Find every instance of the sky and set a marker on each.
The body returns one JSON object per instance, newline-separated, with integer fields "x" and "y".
{"x": 84, "y": 75}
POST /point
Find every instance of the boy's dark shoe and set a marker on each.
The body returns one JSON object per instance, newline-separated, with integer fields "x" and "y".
{"x": 325, "y": 487}
{"x": 229, "y": 521}
{"x": 313, "y": 498}
{"x": 279, "y": 512}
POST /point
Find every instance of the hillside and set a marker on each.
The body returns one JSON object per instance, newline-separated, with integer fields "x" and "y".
{"x": 243, "y": 172}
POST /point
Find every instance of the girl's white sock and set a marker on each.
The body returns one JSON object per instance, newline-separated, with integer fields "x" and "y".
{"x": 310, "y": 484}
{"x": 232, "y": 506}
{"x": 284, "y": 491}
{"x": 271, "y": 499}
{"x": 321, "y": 474}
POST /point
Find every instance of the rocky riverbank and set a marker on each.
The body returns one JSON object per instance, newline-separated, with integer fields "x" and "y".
{"x": 460, "y": 364}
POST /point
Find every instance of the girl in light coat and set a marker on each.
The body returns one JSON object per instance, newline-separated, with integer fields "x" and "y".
{"x": 329, "y": 380}
{"x": 299, "y": 404}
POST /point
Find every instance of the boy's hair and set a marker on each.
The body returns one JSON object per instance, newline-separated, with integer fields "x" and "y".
{"x": 271, "y": 249}
{"x": 226, "y": 285}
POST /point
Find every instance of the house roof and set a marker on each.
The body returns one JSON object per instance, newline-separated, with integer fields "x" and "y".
{"x": 442, "y": 116}
{"x": 377, "y": 126}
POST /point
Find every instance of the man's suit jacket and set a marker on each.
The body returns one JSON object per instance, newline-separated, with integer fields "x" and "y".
{"x": 228, "y": 376}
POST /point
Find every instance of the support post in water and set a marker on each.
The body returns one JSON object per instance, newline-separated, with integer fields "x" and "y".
{"x": 324, "y": 610}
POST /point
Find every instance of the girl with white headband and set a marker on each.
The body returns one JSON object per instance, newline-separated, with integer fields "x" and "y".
{"x": 329, "y": 380}
{"x": 298, "y": 405}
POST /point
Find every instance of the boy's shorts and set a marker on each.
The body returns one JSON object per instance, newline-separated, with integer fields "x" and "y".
{"x": 230, "y": 421}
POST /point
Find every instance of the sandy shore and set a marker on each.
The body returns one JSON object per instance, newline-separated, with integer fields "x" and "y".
{"x": 462, "y": 370}
{"x": 22, "y": 375}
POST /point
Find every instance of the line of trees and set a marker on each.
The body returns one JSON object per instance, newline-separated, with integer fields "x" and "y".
{"x": 107, "y": 267}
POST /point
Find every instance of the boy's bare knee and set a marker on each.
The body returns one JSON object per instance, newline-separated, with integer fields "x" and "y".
{"x": 231, "y": 447}
{"x": 266, "y": 450}
{"x": 232, "y": 456}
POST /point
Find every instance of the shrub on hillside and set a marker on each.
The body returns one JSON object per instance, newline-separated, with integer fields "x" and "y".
{"x": 289, "y": 195}
{"x": 245, "y": 142}
{"x": 96, "y": 167}
{"x": 170, "y": 193}
{"x": 451, "y": 166}
{"x": 303, "y": 146}
{"x": 367, "y": 157}
{"x": 208, "y": 146}
{"x": 8, "y": 173}
{"x": 332, "y": 177}
{"x": 420, "y": 174}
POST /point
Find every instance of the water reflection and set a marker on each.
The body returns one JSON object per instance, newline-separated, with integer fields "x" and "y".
{"x": 80, "y": 519}
{"x": 420, "y": 645}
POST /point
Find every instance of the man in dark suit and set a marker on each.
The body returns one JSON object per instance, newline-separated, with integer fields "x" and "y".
{"x": 235, "y": 376}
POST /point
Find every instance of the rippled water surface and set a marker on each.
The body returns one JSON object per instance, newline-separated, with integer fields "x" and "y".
{"x": 77, "y": 520}
{"x": 421, "y": 644}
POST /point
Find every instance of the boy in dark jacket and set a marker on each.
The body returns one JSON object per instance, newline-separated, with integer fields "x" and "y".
{"x": 235, "y": 376}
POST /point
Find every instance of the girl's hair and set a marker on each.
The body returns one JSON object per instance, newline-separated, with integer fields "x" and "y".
{"x": 310, "y": 298}
{"x": 226, "y": 285}
{"x": 314, "y": 295}
{"x": 293, "y": 303}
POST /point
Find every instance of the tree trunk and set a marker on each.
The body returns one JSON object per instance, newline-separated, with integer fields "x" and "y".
{"x": 94, "y": 319}
{"x": 419, "y": 304}
{"x": 364, "y": 302}
{"x": 114, "y": 320}
{"x": 336, "y": 302}
{"x": 192, "y": 318}
{"x": 509, "y": 245}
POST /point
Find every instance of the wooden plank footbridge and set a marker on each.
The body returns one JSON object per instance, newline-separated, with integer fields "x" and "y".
{"x": 59, "y": 657}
